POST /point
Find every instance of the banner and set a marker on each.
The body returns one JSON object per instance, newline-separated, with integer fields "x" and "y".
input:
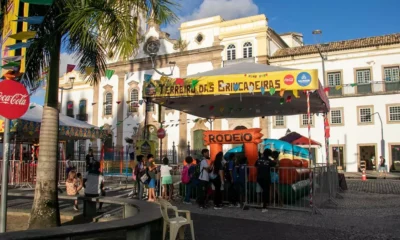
{"x": 235, "y": 84}
{"x": 144, "y": 147}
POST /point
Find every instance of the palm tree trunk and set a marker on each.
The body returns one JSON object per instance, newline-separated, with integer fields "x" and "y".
{"x": 45, "y": 211}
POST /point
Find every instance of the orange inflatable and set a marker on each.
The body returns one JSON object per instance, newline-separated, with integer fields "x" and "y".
{"x": 289, "y": 175}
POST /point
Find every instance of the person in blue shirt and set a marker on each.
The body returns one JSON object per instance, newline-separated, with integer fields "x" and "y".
{"x": 240, "y": 179}
{"x": 230, "y": 174}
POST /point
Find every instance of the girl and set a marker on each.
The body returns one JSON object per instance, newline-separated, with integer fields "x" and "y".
{"x": 166, "y": 180}
{"x": 151, "y": 169}
{"x": 217, "y": 178}
{"x": 73, "y": 187}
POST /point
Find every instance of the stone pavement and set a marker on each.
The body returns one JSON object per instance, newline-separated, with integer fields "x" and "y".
{"x": 372, "y": 175}
{"x": 380, "y": 186}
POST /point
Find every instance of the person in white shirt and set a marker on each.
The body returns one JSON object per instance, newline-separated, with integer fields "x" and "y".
{"x": 166, "y": 180}
{"x": 94, "y": 182}
{"x": 204, "y": 178}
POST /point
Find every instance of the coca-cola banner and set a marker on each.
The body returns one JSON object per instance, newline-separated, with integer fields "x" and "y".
{"x": 14, "y": 99}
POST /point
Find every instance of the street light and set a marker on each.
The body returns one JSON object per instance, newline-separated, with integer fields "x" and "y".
{"x": 323, "y": 57}
{"x": 71, "y": 81}
{"x": 382, "y": 139}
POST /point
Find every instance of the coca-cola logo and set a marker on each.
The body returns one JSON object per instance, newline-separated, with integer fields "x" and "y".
{"x": 14, "y": 99}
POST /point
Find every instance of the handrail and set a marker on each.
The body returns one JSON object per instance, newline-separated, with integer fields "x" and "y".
{"x": 146, "y": 221}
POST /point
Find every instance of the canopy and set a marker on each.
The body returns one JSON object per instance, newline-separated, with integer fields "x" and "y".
{"x": 298, "y": 139}
{"x": 242, "y": 90}
{"x": 28, "y": 126}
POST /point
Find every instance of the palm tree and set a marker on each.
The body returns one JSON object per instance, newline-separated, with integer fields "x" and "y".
{"x": 92, "y": 27}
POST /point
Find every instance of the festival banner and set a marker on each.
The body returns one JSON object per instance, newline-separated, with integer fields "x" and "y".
{"x": 234, "y": 84}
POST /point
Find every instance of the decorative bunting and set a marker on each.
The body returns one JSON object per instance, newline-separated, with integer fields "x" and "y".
{"x": 118, "y": 102}
{"x": 39, "y": 2}
{"x": 326, "y": 89}
{"x": 338, "y": 87}
{"x": 272, "y": 91}
{"x": 262, "y": 90}
{"x": 295, "y": 93}
{"x": 282, "y": 92}
{"x": 11, "y": 65}
{"x": 353, "y": 84}
{"x": 119, "y": 123}
{"x": 23, "y": 35}
{"x": 251, "y": 89}
{"x": 282, "y": 100}
{"x": 141, "y": 102}
{"x": 223, "y": 85}
{"x": 93, "y": 103}
{"x": 180, "y": 82}
{"x": 89, "y": 70}
{"x": 31, "y": 20}
{"x": 127, "y": 102}
{"x": 70, "y": 68}
{"x": 221, "y": 109}
{"x": 12, "y": 58}
{"x": 211, "y": 108}
{"x": 194, "y": 83}
{"x": 19, "y": 45}
{"x": 289, "y": 99}
{"x": 31, "y": 107}
{"x": 236, "y": 86}
{"x": 109, "y": 73}
{"x": 147, "y": 77}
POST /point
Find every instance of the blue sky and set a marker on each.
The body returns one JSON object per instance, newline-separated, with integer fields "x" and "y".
{"x": 338, "y": 19}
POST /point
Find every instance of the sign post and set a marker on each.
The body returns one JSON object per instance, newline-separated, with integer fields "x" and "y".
{"x": 14, "y": 102}
{"x": 161, "y": 134}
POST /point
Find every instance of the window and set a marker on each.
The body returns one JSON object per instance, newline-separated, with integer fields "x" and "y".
{"x": 364, "y": 115}
{"x": 231, "y": 52}
{"x": 82, "y": 107}
{"x": 134, "y": 98}
{"x": 391, "y": 74}
{"x": 363, "y": 76}
{"x": 334, "y": 79}
{"x": 336, "y": 117}
{"x": 108, "y": 104}
{"x": 279, "y": 121}
{"x": 199, "y": 38}
{"x": 304, "y": 120}
{"x": 394, "y": 113}
{"x": 247, "y": 50}
{"x": 70, "y": 109}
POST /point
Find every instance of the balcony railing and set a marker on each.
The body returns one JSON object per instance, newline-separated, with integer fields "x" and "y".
{"x": 82, "y": 117}
{"x": 239, "y": 60}
{"x": 376, "y": 87}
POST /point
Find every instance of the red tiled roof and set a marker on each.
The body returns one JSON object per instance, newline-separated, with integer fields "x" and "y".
{"x": 339, "y": 45}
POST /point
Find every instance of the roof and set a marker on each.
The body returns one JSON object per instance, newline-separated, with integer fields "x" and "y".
{"x": 241, "y": 68}
{"x": 298, "y": 139}
{"x": 340, "y": 45}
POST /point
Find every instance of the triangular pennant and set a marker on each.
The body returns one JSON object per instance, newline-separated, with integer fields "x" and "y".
{"x": 289, "y": 99}
{"x": 12, "y": 58}
{"x": 338, "y": 87}
{"x": 31, "y": 20}
{"x": 39, "y": 2}
{"x": 19, "y": 45}
{"x": 118, "y": 102}
{"x": 281, "y": 101}
{"x": 93, "y": 103}
{"x": 353, "y": 84}
{"x": 194, "y": 83}
{"x": 295, "y": 93}
{"x": 262, "y": 90}
{"x": 89, "y": 70}
{"x": 119, "y": 123}
{"x": 282, "y": 92}
{"x": 326, "y": 89}
{"x": 221, "y": 109}
{"x": 272, "y": 91}
{"x": 11, "y": 65}
{"x": 70, "y": 68}
{"x": 211, "y": 108}
{"x": 109, "y": 73}
{"x": 23, "y": 35}
{"x": 180, "y": 81}
{"x": 31, "y": 107}
{"x": 147, "y": 77}
{"x": 127, "y": 102}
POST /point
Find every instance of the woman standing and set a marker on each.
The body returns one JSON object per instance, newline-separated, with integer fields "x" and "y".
{"x": 166, "y": 180}
{"x": 151, "y": 169}
{"x": 217, "y": 178}
{"x": 94, "y": 181}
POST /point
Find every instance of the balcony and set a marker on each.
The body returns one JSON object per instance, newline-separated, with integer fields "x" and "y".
{"x": 82, "y": 117}
{"x": 239, "y": 60}
{"x": 373, "y": 88}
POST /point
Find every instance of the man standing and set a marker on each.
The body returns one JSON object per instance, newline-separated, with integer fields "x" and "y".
{"x": 204, "y": 178}
{"x": 89, "y": 159}
{"x": 263, "y": 166}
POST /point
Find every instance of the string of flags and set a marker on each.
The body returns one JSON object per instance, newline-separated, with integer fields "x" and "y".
{"x": 340, "y": 86}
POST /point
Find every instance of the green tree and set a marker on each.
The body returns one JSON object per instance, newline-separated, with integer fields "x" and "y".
{"x": 89, "y": 29}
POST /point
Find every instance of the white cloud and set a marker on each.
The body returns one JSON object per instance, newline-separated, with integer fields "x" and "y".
{"x": 227, "y": 9}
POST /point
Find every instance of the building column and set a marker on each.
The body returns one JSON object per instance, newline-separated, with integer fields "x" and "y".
{"x": 264, "y": 126}
{"x": 120, "y": 109}
{"x": 95, "y": 113}
{"x": 182, "y": 144}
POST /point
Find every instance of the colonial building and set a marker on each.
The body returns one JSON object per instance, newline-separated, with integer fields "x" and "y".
{"x": 362, "y": 76}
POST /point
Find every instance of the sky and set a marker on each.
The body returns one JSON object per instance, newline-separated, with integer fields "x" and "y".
{"x": 338, "y": 19}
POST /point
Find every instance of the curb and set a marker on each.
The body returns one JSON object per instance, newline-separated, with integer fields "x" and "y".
{"x": 27, "y": 212}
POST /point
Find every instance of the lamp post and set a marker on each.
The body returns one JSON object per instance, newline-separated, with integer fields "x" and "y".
{"x": 323, "y": 57}
{"x": 382, "y": 138}
{"x": 71, "y": 81}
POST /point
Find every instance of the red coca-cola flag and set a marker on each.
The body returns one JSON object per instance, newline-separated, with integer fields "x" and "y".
{"x": 14, "y": 99}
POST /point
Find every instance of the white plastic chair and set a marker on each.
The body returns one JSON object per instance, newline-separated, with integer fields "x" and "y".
{"x": 177, "y": 223}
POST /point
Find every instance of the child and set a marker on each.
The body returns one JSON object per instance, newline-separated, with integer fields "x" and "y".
{"x": 151, "y": 169}
{"x": 80, "y": 183}
{"x": 188, "y": 179}
{"x": 73, "y": 187}
{"x": 166, "y": 179}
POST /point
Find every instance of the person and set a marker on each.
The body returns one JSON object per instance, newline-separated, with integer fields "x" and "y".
{"x": 204, "y": 178}
{"x": 240, "y": 183}
{"x": 138, "y": 172}
{"x": 274, "y": 191}
{"x": 230, "y": 174}
{"x": 382, "y": 167}
{"x": 217, "y": 177}
{"x": 94, "y": 181}
{"x": 133, "y": 164}
{"x": 80, "y": 182}
{"x": 89, "y": 159}
{"x": 151, "y": 170}
{"x": 131, "y": 151}
{"x": 166, "y": 180}
{"x": 68, "y": 165}
{"x": 190, "y": 169}
{"x": 263, "y": 166}
{"x": 73, "y": 186}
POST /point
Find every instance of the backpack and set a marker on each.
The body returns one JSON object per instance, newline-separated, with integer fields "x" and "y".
{"x": 197, "y": 172}
{"x": 185, "y": 175}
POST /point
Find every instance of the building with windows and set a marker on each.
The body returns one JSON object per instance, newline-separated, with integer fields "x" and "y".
{"x": 362, "y": 76}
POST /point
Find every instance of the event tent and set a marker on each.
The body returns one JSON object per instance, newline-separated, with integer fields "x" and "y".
{"x": 242, "y": 90}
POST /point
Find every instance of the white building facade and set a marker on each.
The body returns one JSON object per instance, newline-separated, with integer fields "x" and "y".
{"x": 362, "y": 76}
